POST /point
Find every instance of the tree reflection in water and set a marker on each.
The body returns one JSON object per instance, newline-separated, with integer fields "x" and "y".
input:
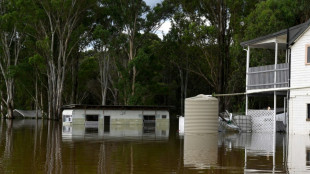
{"x": 30, "y": 146}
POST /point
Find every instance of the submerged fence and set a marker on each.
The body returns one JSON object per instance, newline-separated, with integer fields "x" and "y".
{"x": 262, "y": 120}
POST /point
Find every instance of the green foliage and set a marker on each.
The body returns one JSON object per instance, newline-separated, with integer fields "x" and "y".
{"x": 37, "y": 61}
{"x": 270, "y": 16}
{"x": 203, "y": 44}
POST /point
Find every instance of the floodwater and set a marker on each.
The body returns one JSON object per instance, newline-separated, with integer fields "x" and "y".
{"x": 28, "y": 146}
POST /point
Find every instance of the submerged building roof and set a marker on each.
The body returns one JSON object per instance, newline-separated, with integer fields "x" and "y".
{"x": 26, "y": 113}
{"x": 115, "y": 107}
{"x": 292, "y": 32}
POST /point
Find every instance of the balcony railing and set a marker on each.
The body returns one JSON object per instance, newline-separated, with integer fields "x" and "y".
{"x": 262, "y": 77}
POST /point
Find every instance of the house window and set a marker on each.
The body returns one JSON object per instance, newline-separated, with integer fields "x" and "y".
{"x": 91, "y": 130}
{"x": 308, "y": 111}
{"x": 307, "y": 156}
{"x": 67, "y": 118}
{"x": 91, "y": 117}
{"x": 164, "y": 116}
{"x": 67, "y": 129}
{"x": 308, "y": 54}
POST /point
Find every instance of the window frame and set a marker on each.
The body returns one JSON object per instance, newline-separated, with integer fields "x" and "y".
{"x": 90, "y": 117}
{"x": 306, "y": 54}
{"x": 307, "y": 156}
{"x": 67, "y": 118}
{"x": 308, "y": 112}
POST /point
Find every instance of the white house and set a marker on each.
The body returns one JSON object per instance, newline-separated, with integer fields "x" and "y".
{"x": 98, "y": 115}
{"x": 288, "y": 79}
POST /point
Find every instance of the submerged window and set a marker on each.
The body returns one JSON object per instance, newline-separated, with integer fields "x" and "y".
{"x": 308, "y": 157}
{"x": 91, "y": 130}
{"x": 164, "y": 116}
{"x": 67, "y": 118}
{"x": 149, "y": 117}
{"x": 308, "y": 111}
{"x": 66, "y": 129}
{"x": 308, "y": 54}
{"x": 91, "y": 117}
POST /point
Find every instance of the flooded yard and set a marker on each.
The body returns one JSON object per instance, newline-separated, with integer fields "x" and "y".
{"x": 28, "y": 146}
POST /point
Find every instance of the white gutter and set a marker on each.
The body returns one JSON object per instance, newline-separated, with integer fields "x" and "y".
{"x": 260, "y": 91}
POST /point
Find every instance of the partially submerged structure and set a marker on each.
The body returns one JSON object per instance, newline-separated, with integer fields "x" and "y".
{"x": 99, "y": 115}
{"x": 27, "y": 113}
{"x": 288, "y": 80}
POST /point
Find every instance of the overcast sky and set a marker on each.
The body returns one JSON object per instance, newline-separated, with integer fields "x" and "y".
{"x": 164, "y": 29}
{"x": 152, "y": 3}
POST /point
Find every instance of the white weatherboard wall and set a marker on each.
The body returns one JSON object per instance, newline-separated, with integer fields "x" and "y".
{"x": 298, "y": 148}
{"x": 298, "y": 114}
{"x": 300, "y": 77}
{"x": 118, "y": 116}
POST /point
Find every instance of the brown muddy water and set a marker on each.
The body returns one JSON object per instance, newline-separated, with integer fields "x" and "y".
{"x": 28, "y": 146}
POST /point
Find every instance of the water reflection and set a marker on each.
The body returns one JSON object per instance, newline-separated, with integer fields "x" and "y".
{"x": 29, "y": 146}
{"x": 200, "y": 151}
{"x": 114, "y": 131}
{"x": 299, "y": 153}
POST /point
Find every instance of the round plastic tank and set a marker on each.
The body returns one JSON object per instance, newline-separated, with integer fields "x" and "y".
{"x": 201, "y": 114}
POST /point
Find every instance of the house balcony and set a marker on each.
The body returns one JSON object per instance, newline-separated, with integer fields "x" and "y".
{"x": 262, "y": 77}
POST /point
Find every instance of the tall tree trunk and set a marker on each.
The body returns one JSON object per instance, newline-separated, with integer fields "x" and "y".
{"x": 75, "y": 69}
{"x": 104, "y": 64}
{"x": 182, "y": 90}
{"x": 9, "y": 101}
{"x": 132, "y": 54}
{"x": 58, "y": 26}
{"x": 185, "y": 86}
{"x": 183, "y": 82}
{"x": 41, "y": 102}
{"x": 10, "y": 109}
{"x": 1, "y": 105}
{"x": 10, "y": 41}
{"x": 112, "y": 89}
{"x": 37, "y": 98}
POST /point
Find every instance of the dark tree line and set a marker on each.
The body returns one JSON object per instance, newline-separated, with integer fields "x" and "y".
{"x": 107, "y": 51}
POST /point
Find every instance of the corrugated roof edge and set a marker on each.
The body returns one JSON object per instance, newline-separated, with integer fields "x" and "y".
{"x": 116, "y": 107}
{"x": 301, "y": 27}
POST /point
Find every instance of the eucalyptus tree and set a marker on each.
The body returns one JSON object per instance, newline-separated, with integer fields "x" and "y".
{"x": 133, "y": 19}
{"x": 1, "y": 98}
{"x": 103, "y": 36}
{"x": 12, "y": 37}
{"x": 129, "y": 18}
{"x": 211, "y": 26}
{"x": 178, "y": 45}
{"x": 56, "y": 28}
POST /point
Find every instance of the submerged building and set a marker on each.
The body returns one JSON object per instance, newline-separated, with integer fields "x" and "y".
{"x": 99, "y": 115}
{"x": 287, "y": 79}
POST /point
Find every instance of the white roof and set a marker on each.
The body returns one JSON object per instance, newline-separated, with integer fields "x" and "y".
{"x": 67, "y": 112}
{"x": 27, "y": 113}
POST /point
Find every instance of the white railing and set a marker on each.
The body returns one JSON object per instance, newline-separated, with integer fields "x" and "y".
{"x": 262, "y": 77}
